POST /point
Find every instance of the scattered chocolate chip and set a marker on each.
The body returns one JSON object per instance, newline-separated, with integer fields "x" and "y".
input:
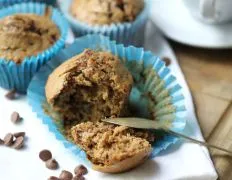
{"x": 53, "y": 178}
{"x": 52, "y": 164}
{"x": 66, "y": 175}
{"x": 79, "y": 178}
{"x": 1, "y": 142}
{"x": 15, "y": 117}
{"x": 167, "y": 60}
{"x": 11, "y": 95}
{"x": 45, "y": 155}
{"x": 18, "y": 143}
{"x": 8, "y": 139}
{"x": 80, "y": 170}
{"x": 18, "y": 134}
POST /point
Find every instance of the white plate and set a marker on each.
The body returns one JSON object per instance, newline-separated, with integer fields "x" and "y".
{"x": 176, "y": 22}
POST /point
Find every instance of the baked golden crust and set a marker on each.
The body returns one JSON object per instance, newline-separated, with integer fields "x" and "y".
{"x": 100, "y": 12}
{"x": 23, "y": 35}
{"x": 58, "y": 80}
{"x": 126, "y": 164}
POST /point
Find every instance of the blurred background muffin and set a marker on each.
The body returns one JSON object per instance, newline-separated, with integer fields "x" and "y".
{"x": 121, "y": 20}
{"x": 106, "y": 11}
{"x": 23, "y": 35}
{"x": 30, "y": 35}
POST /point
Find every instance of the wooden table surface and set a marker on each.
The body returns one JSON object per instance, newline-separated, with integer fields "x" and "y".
{"x": 209, "y": 76}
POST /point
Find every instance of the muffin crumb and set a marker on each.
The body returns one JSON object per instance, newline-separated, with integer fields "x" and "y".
{"x": 88, "y": 87}
{"x": 105, "y": 145}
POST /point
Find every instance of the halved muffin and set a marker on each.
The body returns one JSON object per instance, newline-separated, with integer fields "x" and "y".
{"x": 111, "y": 149}
{"x": 89, "y": 86}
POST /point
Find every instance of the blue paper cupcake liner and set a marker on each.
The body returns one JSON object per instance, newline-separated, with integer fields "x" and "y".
{"x": 158, "y": 82}
{"x": 129, "y": 33}
{"x": 5, "y": 3}
{"x": 17, "y": 76}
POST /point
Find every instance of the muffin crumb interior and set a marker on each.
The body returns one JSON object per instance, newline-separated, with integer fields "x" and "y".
{"x": 107, "y": 144}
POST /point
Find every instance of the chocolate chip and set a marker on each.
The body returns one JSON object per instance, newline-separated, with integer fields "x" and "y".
{"x": 53, "y": 178}
{"x": 11, "y": 95}
{"x": 120, "y": 4}
{"x": 79, "y": 178}
{"x": 167, "y": 60}
{"x": 15, "y": 117}
{"x": 18, "y": 134}
{"x": 18, "y": 143}
{"x": 66, "y": 175}
{"x": 1, "y": 142}
{"x": 80, "y": 170}
{"x": 53, "y": 36}
{"x": 31, "y": 43}
{"x": 8, "y": 139}
{"x": 52, "y": 164}
{"x": 45, "y": 155}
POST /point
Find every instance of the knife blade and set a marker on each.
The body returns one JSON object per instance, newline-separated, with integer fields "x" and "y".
{"x": 142, "y": 123}
{"x": 139, "y": 123}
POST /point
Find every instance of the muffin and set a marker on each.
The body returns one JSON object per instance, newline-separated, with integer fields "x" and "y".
{"x": 101, "y": 12}
{"x": 152, "y": 80}
{"x": 89, "y": 86}
{"x": 24, "y": 35}
{"x": 30, "y": 35}
{"x": 86, "y": 88}
{"x": 111, "y": 149}
{"x": 122, "y": 20}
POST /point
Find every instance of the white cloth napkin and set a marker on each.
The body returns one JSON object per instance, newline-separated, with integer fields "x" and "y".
{"x": 182, "y": 161}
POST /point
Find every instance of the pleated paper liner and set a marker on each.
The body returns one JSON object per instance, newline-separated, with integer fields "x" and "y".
{"x": 127, "y": 33}
{"x": 18, "y": 76}
{"x": 155, "y": 93}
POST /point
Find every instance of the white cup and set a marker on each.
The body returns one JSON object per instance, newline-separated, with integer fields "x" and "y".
{"x": 210, "y": 11}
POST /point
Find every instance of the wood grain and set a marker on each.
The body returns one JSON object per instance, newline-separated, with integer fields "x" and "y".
{"x": 209, "y": 75}
{"x": 221, "y": 136}
{"x": 207, "y": 71}
{"x": 209, "y": 109}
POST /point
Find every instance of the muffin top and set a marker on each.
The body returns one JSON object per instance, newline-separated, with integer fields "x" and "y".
{"x": 100, "y": 12}
{"x": 23, "y": 35}
{"x": 89, "y": 68}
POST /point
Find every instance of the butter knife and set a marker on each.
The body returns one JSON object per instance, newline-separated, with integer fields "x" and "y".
{"x": 141, "y": 123}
